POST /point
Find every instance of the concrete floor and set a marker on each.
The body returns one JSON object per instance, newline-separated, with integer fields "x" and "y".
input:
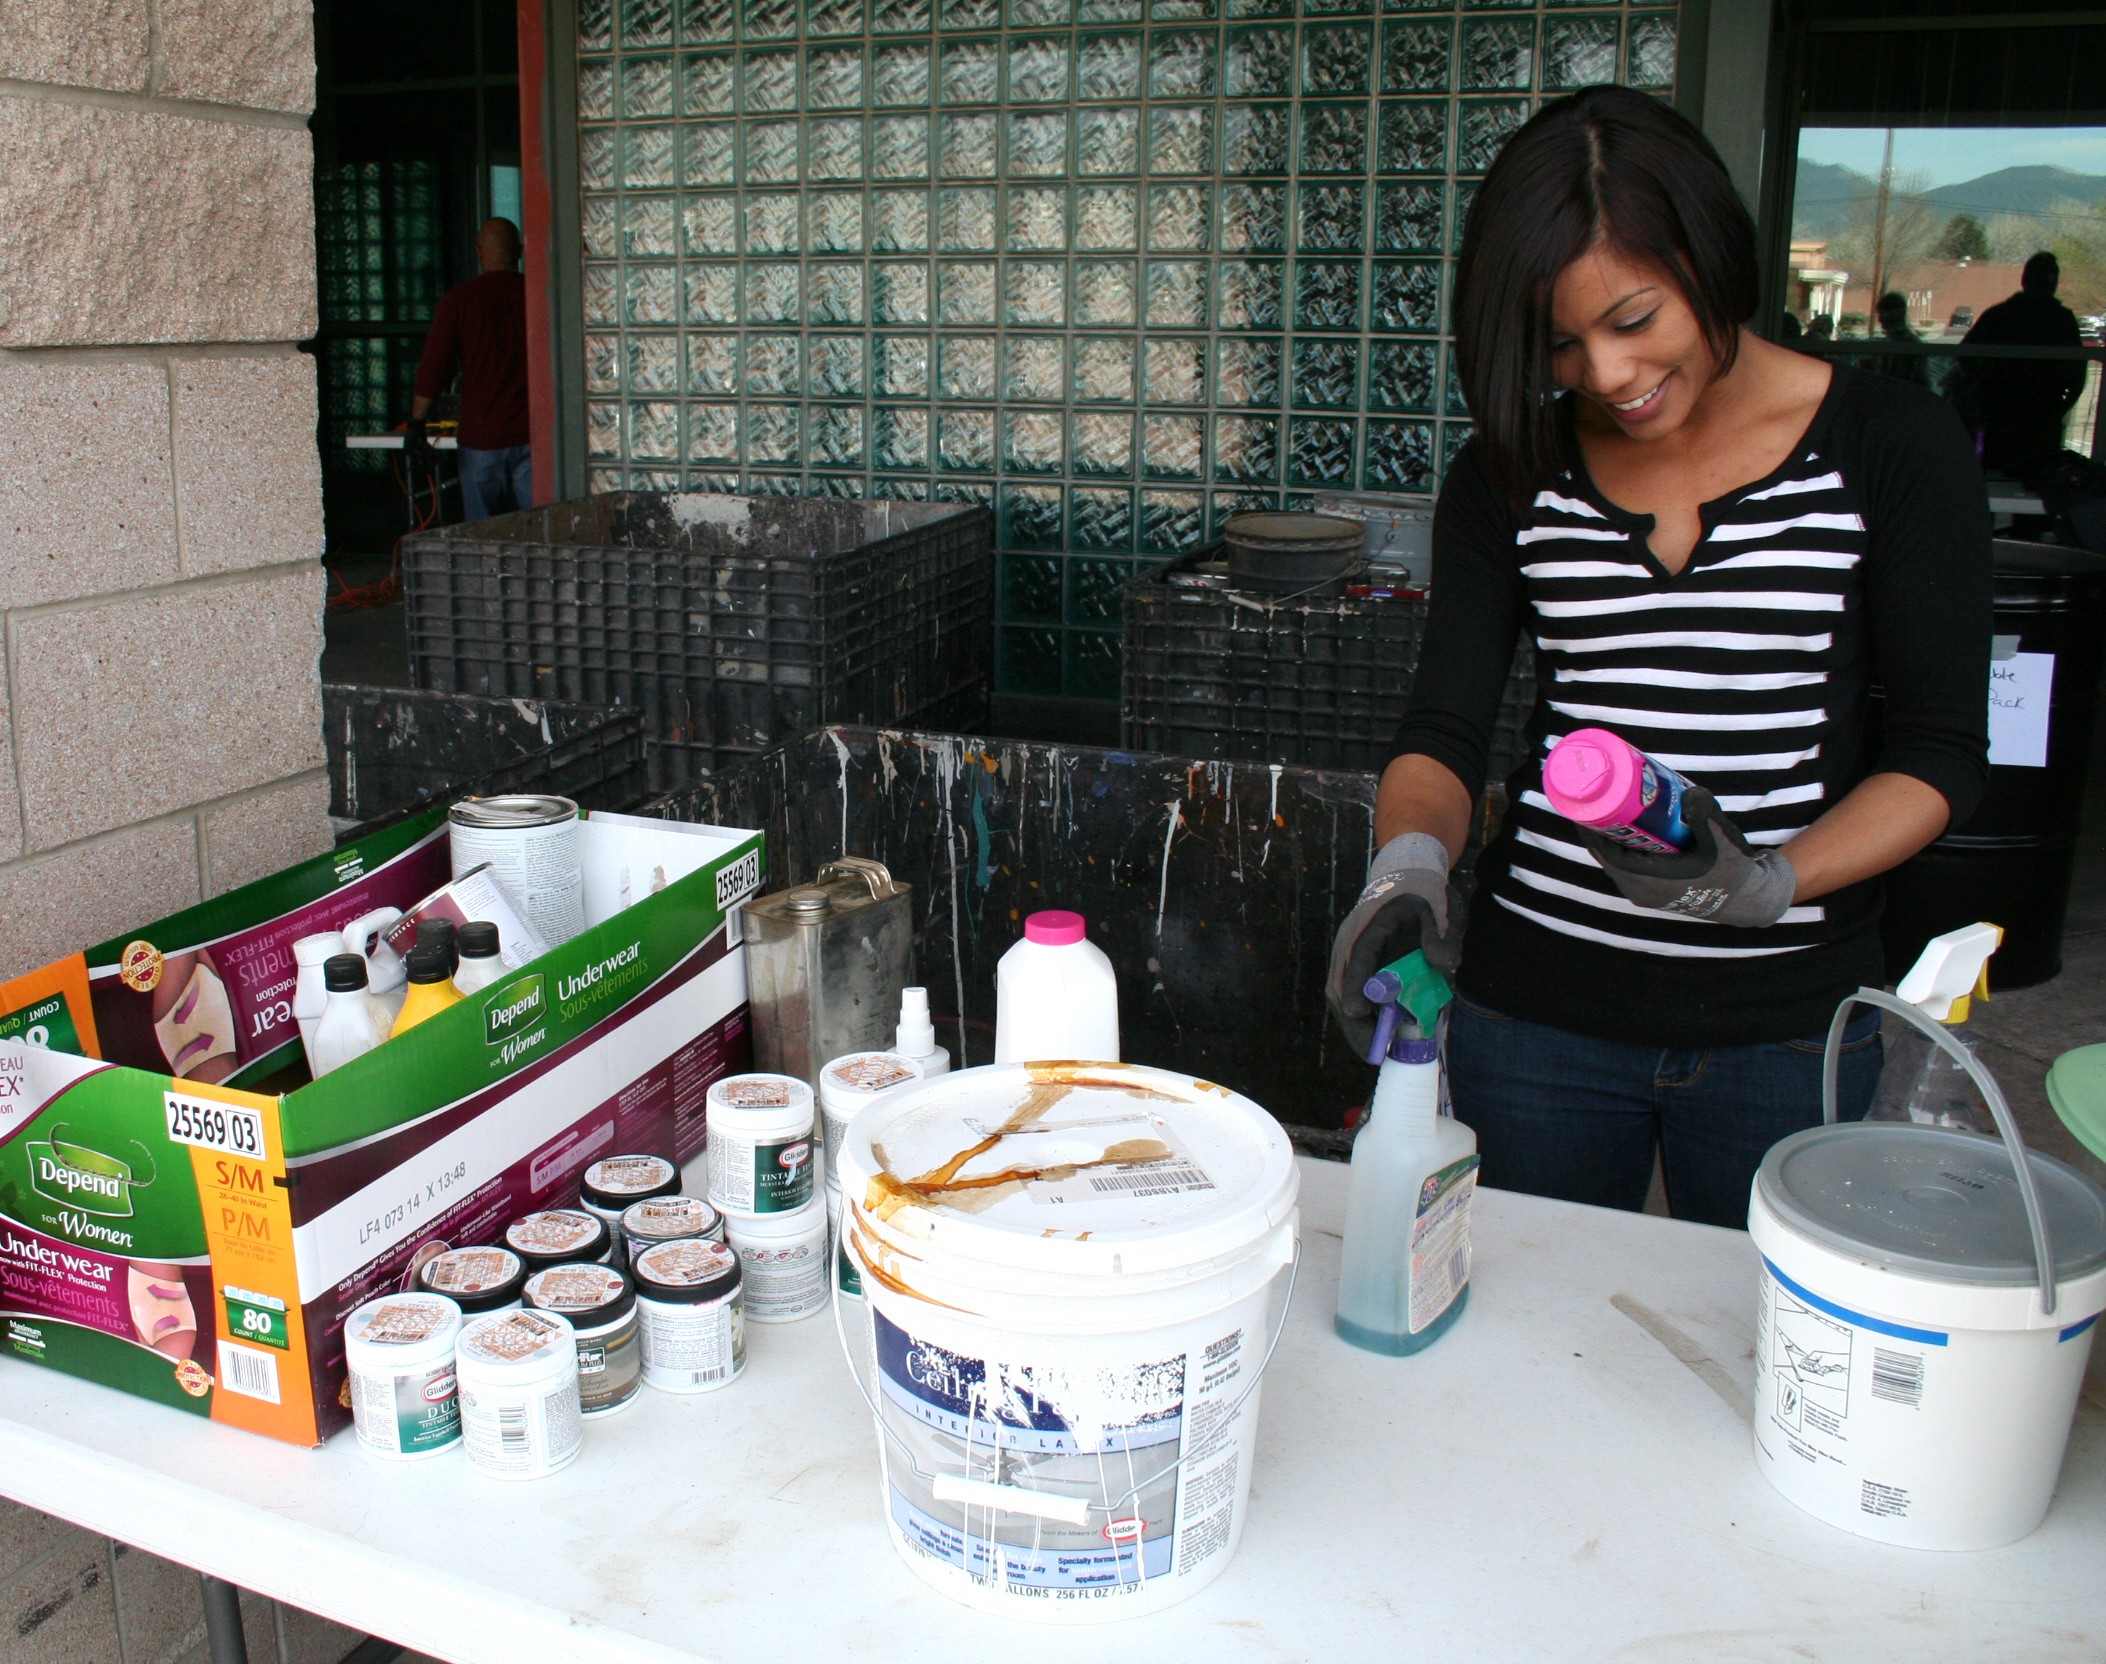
{"x": 2023, "y": 1032}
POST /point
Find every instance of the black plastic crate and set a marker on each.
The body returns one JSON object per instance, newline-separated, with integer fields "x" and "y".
{"x": 1215, "y": 887}
{"x": 393, "y": 751}
{"x": 730, "y": 623}
{"x": 1214, "y": 672}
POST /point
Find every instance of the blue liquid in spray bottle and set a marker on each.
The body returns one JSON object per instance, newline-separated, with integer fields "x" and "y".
{"x": 1405, "y": 1266}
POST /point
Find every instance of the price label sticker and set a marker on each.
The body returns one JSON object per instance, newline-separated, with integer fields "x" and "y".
{"x": 231, "y": 1129}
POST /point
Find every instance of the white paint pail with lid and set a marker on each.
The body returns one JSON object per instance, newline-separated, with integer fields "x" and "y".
{"x": 1911, "y": 1385}
{"x": 1071, "y": 1273}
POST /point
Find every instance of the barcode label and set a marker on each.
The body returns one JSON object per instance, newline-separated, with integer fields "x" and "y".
{"x": 1459, "y": 1266}
{"x": 1152, "y": 1181}
{"x": 248, "y": 1372}
{"x": 1898, "y": 1377}
{"x": 512, "y": 1436}
{"x": 701, "y": 1376}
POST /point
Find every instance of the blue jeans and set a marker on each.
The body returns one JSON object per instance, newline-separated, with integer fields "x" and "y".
{"x": 1570, "y": 1116}
{"x": 496, "y": 482}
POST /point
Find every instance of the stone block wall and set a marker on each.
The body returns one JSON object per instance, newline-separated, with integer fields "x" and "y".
{"x": 160, "y": 494}
{"x": 160, "y": 586}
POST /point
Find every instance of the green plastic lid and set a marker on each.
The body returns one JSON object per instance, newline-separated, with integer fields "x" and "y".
{"x": 1929, "y": 1202}
{"x": 2076, "y": 1086}
{"x": 1424, "y": 990}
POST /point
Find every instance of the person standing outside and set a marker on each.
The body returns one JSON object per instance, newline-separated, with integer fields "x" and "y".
{"x": 480, "y": 328}
{"x": 2023, "y": 401}
{"x": 1718, "y": 547}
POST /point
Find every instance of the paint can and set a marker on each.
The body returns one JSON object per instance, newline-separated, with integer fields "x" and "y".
{"x": 534, "y": 845}
{"x": 760, "y": 1144}
{"x": 1071, "y": 1272}
{"x": 398, "y": 1352}
{"x": 521, "y": 1416}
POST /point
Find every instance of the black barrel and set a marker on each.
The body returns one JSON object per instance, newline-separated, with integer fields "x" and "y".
{"x": 2011, "y": 862}
{"x": 1293, "y": 554}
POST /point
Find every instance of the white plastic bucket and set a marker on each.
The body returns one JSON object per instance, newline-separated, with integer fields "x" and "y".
{"x": 1926, "y": 1307}
{"x": 1069, "y": 1271}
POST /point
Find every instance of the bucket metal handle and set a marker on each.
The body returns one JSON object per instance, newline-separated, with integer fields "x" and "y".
{"x": 1992, "y": 1095}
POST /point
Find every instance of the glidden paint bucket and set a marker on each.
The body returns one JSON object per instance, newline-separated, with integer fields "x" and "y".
{"x": 1069, "y": 1269}
{"x": 1908, "y": 1384}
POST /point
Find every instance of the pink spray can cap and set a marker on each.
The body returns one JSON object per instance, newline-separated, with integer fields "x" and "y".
{"x": 1592, "y": 776}
{"x": 1054, "y": 928}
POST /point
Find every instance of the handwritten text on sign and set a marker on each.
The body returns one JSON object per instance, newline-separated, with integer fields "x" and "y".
{"x": 2019, "y": 691}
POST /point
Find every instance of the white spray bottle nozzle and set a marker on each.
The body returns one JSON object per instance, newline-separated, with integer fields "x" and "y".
{"x": 1952, "y": 972}
{"x": 916, "y": 1034}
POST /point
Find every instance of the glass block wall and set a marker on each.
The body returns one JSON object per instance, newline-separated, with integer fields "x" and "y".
{"x": 380, "y": 259}
{"x": 1117, "y": 269}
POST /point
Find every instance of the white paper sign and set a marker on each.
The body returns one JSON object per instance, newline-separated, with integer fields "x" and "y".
{"x": 2019, "y": 691}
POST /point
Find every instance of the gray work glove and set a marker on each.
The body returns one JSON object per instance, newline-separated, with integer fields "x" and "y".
{"x": 1721, "y": 878}
{"x": 1404, "y": 906}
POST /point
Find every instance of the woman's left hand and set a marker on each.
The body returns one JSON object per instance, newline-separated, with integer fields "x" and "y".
{"x": 1721, "y": 878}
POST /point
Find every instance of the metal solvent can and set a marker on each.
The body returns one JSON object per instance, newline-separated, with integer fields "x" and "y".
{"x": 825, "y": 963}
{"x": 534, "y": 845}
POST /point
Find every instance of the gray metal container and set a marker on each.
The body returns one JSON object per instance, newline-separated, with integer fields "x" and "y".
{"x": 825, "y": 964}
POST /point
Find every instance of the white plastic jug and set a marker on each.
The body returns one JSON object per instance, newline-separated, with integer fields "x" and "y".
{"x": 1056, "y": 996}
{"x": 387, "y": 978}
{"x": 309, "y": 995}
{"x": 1926, "y": 1305}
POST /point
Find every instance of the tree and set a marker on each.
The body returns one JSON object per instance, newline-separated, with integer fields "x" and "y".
{"x": 1877, "y": 253}
{"x": 1964, "y": 239}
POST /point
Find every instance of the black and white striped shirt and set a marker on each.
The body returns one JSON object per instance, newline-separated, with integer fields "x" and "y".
{"x": 1864, "y": 557}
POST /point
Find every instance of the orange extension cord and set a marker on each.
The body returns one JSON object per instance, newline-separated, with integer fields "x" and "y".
{"x": 386, "y": 591}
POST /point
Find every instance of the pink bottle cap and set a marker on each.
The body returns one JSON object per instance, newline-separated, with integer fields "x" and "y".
{"x": 1592, "y": 777}
{"x": 1054, "y": 929}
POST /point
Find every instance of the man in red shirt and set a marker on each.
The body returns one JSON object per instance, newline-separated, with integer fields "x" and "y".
{"x": 481, "y": 326}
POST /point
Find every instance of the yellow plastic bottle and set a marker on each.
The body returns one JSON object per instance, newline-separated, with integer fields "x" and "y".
{"x": 431, "y": 988}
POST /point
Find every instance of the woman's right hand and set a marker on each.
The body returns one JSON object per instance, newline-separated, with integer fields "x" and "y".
{"x": 1403, "y": 907}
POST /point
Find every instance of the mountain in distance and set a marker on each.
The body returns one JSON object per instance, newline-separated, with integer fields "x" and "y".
{"x": 2029, "y": 190}
{"x": 1826, "y": 193}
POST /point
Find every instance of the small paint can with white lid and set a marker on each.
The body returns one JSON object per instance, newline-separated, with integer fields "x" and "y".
{"x": 667, "y": 1219}
{"x": 848, "y": 1277}
{"x": 614, "y": 1183}
{"x": 600, "y": 1303}
{"x": 782, "y": 1263}
{"x": 849, "y": 1085}
{"x": 760, "y": 1144}
{"x": 691, "y": 1315}
{"x": 398, "y": 1352}
{"x": 559, "y": 1236}
{"x": 478, "y": 1280}
{"x": 521, "y": 1416}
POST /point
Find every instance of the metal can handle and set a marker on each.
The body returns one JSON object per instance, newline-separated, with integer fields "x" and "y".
{"x": 875, "y": 874}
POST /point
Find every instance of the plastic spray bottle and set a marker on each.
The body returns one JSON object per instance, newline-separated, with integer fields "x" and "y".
{"x": 1600, "y": 779}
{"x": 1405, "y": 1274}
{"x": 1920, "y": 1082}
{"x": 915, "y": 1036}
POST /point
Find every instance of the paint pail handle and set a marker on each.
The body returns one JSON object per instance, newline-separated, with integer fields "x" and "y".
{"x": 1992, "y": 1095}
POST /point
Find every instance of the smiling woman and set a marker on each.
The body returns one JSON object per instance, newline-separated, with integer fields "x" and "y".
{"x": 1719, "y": 547}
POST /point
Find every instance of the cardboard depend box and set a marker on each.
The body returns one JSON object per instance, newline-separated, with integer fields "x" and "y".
{"x": 201, "y": 1245}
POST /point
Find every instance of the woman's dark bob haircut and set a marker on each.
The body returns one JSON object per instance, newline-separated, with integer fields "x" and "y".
{"x": 1607, "y": 165}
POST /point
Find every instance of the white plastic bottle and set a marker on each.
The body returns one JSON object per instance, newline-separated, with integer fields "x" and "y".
{"x": 1056, "y": 996}
{"x": 1405, "y": 1264}
{"x": 480, "y": 963}
{"x": 352, "y": 1023}
{"x": 915, "y": 1036}
{"x": 310, "y": 954}
{"x": 1920, "y": 1081}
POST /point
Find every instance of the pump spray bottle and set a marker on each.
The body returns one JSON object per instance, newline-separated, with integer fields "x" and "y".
{"x": 1405, "y": 1269}
{"x": 1920, "y": 1082}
